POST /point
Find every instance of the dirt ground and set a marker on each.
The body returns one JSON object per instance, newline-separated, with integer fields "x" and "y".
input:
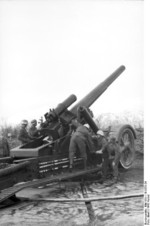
{"x": 128, "y": 212}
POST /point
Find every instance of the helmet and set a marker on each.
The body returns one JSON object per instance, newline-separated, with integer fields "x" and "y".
{"x": 24, "y": 122}
{"x": 100, "y": 132}
{"x": 34, "y": 121}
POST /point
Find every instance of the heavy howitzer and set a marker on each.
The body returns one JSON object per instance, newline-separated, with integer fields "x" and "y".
{"x": 58, "y": 121}
{"x": 57, "y": 117}
{"x": 62, "y": 107}
{"x": 61, "y": 114}
{"x": 91, "y": 97}
{"x": 45, "y": 158}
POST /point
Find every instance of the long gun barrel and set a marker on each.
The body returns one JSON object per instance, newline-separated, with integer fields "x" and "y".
{"x": 91, "y": 97}
{"x": 65, "y": 104}
{"x": 62, "y": 106}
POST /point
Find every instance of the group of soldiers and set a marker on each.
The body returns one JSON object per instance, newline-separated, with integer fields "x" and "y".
{"x": 27, "y": 136}
{"x": 24, "y": 137}
{"x": 82, "y": 141}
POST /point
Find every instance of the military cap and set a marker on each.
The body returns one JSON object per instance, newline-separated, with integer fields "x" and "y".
{"x": 24, "y": 122}
{"x": 34, "y": 121}
{"x": 100, "y": 132}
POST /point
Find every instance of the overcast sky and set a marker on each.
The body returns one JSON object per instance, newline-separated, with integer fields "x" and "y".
{"x": 51, "y": 49}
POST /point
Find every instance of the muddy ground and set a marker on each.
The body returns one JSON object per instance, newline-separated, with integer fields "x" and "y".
{"x": 128, "y": 212}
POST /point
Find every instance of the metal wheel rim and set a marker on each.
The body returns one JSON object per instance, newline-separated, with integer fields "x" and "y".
{"x": 127, "y": 146}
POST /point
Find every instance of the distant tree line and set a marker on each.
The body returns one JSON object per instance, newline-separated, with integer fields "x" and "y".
{"x": 10, "y": 133}
{"x": 9, "y": 130}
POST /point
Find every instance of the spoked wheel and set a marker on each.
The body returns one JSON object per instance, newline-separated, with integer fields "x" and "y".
{"x": 126, "y": 141}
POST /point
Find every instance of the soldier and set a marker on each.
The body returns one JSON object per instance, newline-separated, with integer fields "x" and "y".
{"x": 23, "y": 136}
{"x": 111, "y": 157}
{"x": 4, "y": 147}
{"x": 33, "y": 131}
{"x": 81, "y": 140}
{"x": 101, "y": 141}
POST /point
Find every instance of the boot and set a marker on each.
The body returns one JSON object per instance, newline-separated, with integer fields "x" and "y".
{"x": 70, "y": 165}
{"x": 70, "y": 168}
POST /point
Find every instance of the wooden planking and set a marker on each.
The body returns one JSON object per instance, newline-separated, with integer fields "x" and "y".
{"x": 5, "y": 194}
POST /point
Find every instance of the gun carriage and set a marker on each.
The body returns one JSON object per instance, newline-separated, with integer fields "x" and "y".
{"x": 43, "y": 158}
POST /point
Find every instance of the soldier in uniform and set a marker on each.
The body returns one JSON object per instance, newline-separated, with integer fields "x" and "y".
{"x": 100, "y": 141}
{"x": 80, "y": 141}
{"x": 111, "y": 157}
{"x": 33, "y": 131}
{"x": 23, "y": 136}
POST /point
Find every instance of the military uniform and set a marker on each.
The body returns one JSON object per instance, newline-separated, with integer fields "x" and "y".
{"x": 111, "y": 157}
{"x": 80, "y": 140}
{"x": 4, "y": 147}
{"x": 24, "y": 137}
{"x": 33, "y": 131}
